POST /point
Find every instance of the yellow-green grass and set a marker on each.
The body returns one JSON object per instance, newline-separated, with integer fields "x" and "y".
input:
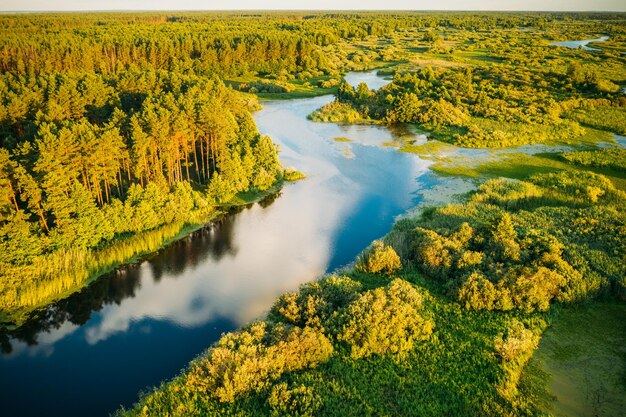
{"x": 82, "y": 267}
{"x": 582, "y": 361}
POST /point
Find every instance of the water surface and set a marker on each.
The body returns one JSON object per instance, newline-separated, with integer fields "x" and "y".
{"x": 92, "y": 352}
{"x": 582, "y": 43}
{"x": 95, "y": 350}
{"x": 371, "y": 78}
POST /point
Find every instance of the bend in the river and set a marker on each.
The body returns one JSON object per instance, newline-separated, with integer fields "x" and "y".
{"x": 91, "y": 352}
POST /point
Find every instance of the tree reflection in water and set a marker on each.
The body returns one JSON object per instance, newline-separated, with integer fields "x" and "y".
{"x": 214, "y": 240}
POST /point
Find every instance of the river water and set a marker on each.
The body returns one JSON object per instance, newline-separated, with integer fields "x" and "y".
{"x": 583, "y": 43}
{"x": 92, "y": 352}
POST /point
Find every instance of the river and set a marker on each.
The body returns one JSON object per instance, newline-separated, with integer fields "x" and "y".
{"x": 92, "y": 352}
{"x": 582, "y": 43}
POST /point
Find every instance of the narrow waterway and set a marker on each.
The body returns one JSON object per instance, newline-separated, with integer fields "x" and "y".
{"x": 91, "y": 353}
{"x": 581, "y": 44}
{"x": 94, "y": 351}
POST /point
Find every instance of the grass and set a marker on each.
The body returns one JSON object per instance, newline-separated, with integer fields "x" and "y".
{"x": 608, "y": 118}
{"x": 521, "y": 166}
{"x": 516, "y": 165}
{"x": 84, "y": 267}
{"x": 583, "y": 355}
{"x": 246, "y": 197}
{"x": 455, "y": 373}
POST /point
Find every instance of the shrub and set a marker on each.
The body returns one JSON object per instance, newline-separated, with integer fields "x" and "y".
{"x": 478, "y": 293}
{"x": 264, "y": 86}
{"x": 315, "y": 302}
{"x": 612, "y": 158}
{"x": 579, "y": 187}
{"x": 506, "y": 193}
{"x": 291, "y": 174}
{"x": 380, "y": 258}
{"x": 438, "y": 254}
{"x": 333, "y": 82}
{"x": 517, "y": 343}
{"x": 432, "y": 252}
{"x": 503, "y": 240}
{"x": 384, "y": 320}
{"x": 300, "y": 401}
{"x": 534, "y": 288}
{"x": 336, "y": 112}
{"x": 250, "y": 359}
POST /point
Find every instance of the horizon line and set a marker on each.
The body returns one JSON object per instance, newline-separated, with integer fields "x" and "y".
{"x": 309, "y": 10}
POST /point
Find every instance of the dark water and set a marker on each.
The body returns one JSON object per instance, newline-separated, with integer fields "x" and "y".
{"x": 92, "y": 352}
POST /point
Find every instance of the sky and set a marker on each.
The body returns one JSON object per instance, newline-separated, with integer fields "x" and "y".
{"x": 547, "y": 5}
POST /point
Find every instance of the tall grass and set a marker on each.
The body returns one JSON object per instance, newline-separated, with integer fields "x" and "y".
{"x": 54, "y": 275}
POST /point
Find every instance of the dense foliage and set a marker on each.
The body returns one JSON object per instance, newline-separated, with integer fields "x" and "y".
{"x": 119, "y": 131}
{"x": 517, "y": 246}
{"x": 556, "y": 237}
{"x": 379, "y": 258}
{"x": 94, "y": 169}
{"x": 495, "y": 88}
{"x": 150, "y": 136}
{"x": 614, "y": 158}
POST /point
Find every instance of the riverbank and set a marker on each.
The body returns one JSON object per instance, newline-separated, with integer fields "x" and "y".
{"x": 471, "y": 358}
{"x": 126, "y": 251}
{"x": 185, "y": 296}
{"x": 471, "y": 364}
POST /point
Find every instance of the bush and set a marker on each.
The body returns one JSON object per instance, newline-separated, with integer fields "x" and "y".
{"x": 330, "y": 83}
{"x": 264, "y": 86}
{"x": 579, "y": 187}
{"x": 478, "y": 293}
{"x": 250, "y": 359}
{"x": 379, "y": 259}
{"x": 336, "y": 112}
{"x": 315, "y": 302}
{"x": 384, "y": 320}
{"x": 555, "y": 237}
{"x": 291, "y": 174}
{"x": 517, "y": 344}
{"x": 296, "y": 402}
{"x": 439, "y": 254}
{"x": 603, "y": 158}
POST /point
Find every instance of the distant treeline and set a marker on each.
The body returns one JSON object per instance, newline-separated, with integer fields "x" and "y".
{"x": 216, "y": 43}
{"x": 501, "y": 87}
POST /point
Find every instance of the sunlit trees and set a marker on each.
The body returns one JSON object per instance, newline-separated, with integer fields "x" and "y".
{"x": 380, "y": 258}
{"x": 251, "y": 358}
{"x": 518, "y": 341}
{"x": 315, "y": 303}
{"x": 504, "y": 240}
{"x": 384, "y": 321}
{"x": 477, "y": 292}
{"x": 89, "y": 160}
{"x": 511, "y": 251}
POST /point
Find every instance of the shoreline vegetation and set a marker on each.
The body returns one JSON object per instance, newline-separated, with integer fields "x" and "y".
{"x": 446, "y": 312}
{"x": 130, "y": 250}
{"x": 139, "y": 127}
